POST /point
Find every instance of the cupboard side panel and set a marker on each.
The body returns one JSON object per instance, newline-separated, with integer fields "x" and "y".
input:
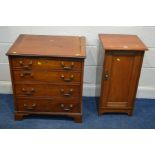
{"x": 135, "y": 78}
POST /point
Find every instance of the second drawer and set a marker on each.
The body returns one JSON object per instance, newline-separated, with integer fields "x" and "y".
{"x": 46, "y": 76}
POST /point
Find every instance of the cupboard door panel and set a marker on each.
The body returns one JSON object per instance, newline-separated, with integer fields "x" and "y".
{"x": 118, "y": 74}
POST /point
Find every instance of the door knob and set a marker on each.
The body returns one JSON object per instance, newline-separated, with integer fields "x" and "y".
{"x": 106, "y": 76}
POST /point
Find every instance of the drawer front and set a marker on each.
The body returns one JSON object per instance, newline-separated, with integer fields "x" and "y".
{"x": 47, "y": 90}
{"x": 46, "y": 76}
{"x": 47, "y": 105}
{"x": 45, "y": 64}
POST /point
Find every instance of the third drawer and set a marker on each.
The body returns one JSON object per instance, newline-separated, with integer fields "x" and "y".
{"x": 47, "y": 90}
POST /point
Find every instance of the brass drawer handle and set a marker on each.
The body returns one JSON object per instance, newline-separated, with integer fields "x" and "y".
{"x": 21, "y": 62}
{"x": 67, "y": 79}
{"x": 30, "y": 107}
{"x": 67, "y": 67}
{"x": 68, "y": 93}
{"x": 68, "y": 108}
{"x": 30, "y": 63}
{"x": 28, "y": 92}
{"x": 25, "y": 66}
{"x": 24, "y": 73}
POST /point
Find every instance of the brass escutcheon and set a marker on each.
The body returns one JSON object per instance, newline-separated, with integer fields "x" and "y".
{"x": 39, "y": 63}
{"x": 118, "y": 59}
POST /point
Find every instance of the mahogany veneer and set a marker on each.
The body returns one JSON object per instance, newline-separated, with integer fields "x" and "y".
{"x": 123, "y": 57}
{"x": 47, "y": 75}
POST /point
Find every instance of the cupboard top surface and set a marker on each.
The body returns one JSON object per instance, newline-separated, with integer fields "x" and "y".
{"x": 44, "y": 45}
{"x": 121, "y": 42}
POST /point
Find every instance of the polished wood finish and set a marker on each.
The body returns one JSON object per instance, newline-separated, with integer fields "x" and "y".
{"x": 45, "y": 64}
{"x": 47, "y": 75}
{"x": 45, "y": 90}
{"x": 58, "y": 105}
{"x": 50, "y": 46}
{"x": 121, "y": 72}
{"x": 122, "y": 42}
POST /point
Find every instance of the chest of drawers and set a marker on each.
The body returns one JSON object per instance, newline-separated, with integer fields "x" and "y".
{"x": 47, "y": 75}
{"x": 123, "y": 57}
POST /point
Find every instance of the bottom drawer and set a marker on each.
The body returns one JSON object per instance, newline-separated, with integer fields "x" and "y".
{"x": 47, "y": 105}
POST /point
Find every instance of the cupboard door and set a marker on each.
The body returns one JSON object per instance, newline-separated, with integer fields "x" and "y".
{"x": 120, "y": 76}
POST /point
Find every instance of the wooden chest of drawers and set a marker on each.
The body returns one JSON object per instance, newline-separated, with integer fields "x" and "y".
{"x": 123, "y": 57}
{"x": 47, "y": 75}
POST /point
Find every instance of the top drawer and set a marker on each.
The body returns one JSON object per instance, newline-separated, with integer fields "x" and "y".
{"x": 45, "y": 63}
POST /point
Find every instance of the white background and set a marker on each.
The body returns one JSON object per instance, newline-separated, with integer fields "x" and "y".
{"x": 77, "y": 13}
{"x": 93, "y": 61}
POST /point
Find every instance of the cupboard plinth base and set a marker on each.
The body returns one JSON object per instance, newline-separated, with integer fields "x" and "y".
{"x": 103, "y": 111}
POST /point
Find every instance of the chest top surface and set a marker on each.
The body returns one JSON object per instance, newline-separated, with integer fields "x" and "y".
{"x": 122, "y": 42}
{"x": 53, "y": 46}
